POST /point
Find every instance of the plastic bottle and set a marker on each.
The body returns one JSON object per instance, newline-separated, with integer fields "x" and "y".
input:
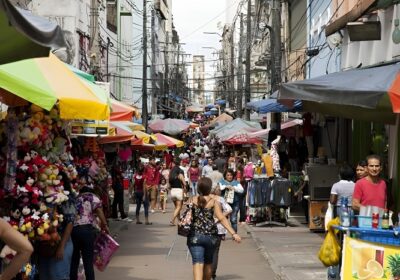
{"x": 385, "y": 220}
{"x": 344, "y": 213}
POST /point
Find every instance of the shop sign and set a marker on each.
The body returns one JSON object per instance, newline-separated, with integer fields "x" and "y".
{"x": 365, "y": 260}
{"x": 89, "y": 128}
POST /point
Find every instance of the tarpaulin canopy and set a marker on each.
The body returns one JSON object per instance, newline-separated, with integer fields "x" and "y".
{"x": 171, "y": 142}
{"x": 222, "y": 119}
{"x": 236, "y": 126}
{"x": 24, "y": 35}
{"x": 169, "y": 126}
{"x": 365, "y": 94}
{"x": 45, "y": 81}
{"x": 273, "y": 106}
{"x": 195, "y": 109}
{"x": 121, "y": 111}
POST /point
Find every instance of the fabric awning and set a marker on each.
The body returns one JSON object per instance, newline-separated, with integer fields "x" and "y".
{"x": 365, "y": 94}
{"x": 273, "y": 106}
{"x": 24, "y": 35}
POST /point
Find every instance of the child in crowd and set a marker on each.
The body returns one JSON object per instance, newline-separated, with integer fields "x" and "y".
{"x": 163, "y": 190}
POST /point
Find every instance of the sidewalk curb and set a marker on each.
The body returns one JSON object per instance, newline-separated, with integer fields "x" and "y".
{"x": 263, "y": 251}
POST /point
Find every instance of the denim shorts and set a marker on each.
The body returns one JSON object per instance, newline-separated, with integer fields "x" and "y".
{"x": 202, "y": 248}
{"x": 52, "y": 269}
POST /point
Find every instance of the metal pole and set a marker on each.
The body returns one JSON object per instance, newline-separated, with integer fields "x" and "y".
{"x": 119, "y": 92}
{"x": 248, "y": 55}
{"x": 232, "y": 72}
{"x": 277, "y": 55}
{"x": 239, "y": 100}
{"x": 153, "y": 59}
{"x": 144, "y": 81}
{"x": 166, "y": 74}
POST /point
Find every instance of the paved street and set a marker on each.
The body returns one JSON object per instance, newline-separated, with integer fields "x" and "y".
{"x": 157, "y": 252}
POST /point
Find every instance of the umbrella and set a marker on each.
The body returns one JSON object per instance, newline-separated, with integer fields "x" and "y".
{"x": 141, "y": 145}
{"x": 116, "y": 135}
{"x": 24, "y": 35}
{"x": 221, "y": 119}
{"x": 242, "y": 138}
{"x": 121, "y": 111}
{"x": 273, "y": 106}
{"x": 44, "y": 81}
{"x": 236, "y": 126}
{"x": 169, "y": 126}
{"x": 194, "y": 109}
{"x": 131, "y": 126}
{"x": 365, "y": 94}
{"x": 162, "y": 139}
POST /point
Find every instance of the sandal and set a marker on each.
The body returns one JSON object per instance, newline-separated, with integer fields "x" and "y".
{"x": 148, "y": 223}
{"x": 138, "y": 223}
{"x": 172, "y": 224}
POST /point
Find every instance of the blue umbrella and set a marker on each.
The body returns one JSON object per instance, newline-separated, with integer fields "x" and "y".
{"x": 273, "y": 106}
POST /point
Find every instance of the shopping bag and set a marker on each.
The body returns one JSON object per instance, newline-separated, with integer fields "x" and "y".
{"x": 329, "y": 253}
{"x": 328, "y": 215}
{"x": 185, "y": 221}
{"x": 104, "y": 248}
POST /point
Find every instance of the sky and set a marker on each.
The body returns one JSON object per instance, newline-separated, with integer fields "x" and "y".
{"x": 192, "y": 18}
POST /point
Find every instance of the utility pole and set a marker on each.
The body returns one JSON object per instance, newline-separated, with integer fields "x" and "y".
{"x": 248, "y": 55}
{"x": 153, "y": 59}
{"x": 232, "y": 72}
{"x": 166, "y": 73}
{"x": 177, "y": 70}
{"x": 94, "y": 39}
{"x": 277, "y": 56}
{"x": 144, "y": 81}
{"x": 239, "y": 100}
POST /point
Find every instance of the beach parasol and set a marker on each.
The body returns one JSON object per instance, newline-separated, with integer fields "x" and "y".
{"x": 169, "y": 126}
{"x": 46, "y": 81}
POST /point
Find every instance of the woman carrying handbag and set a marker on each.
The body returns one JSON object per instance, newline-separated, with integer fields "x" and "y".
{"x": 203, "y": 234}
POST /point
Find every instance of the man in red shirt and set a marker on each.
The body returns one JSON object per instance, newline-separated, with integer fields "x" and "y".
{"x": 370, "y": 190}
{"x": 151, "y": 181}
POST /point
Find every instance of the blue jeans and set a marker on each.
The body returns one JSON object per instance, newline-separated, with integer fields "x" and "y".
{"x": 194, "y": 188}
{"x": 202, "y": 248}
{"x": 234, "y": 215}
{"x": 139, "y": 197}
{"x": 83, "y": 238}
{"x": 53, "y": 269}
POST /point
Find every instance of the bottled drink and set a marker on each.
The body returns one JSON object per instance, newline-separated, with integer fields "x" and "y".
{"x": 375, "y": 220}
{"x": 344, "y": 213}
{"x": 385, "y": 220}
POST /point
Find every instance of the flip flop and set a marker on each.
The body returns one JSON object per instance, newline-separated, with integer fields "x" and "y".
{"x": 148, "y": 223}
{"x": 139, "y": 223}
{"x": 172, "y": 224}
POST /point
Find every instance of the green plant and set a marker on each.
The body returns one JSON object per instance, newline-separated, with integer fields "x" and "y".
{"x": 394, "y": 266}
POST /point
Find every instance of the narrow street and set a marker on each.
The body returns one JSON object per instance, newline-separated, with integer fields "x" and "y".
{"x": 156, "y": 252}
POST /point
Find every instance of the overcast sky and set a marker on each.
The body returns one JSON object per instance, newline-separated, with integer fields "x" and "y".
{"x": 193, "y": 17}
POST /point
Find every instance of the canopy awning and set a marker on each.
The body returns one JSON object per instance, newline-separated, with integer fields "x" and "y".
{"x": 365, "y": 94}
{"x": 273, "y": 106}
{"x": 24, "y": 35}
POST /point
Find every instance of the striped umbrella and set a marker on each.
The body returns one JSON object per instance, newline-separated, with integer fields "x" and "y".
{"x": 46, "y": 81}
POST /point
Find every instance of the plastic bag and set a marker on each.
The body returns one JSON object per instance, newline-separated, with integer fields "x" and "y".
{"x": 329, "y": 253}
{"x": 104, "y": 248}
{"x": 328, "y": 215}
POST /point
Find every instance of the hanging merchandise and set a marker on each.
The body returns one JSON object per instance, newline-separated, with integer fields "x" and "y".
{"x": 38, "y": 156}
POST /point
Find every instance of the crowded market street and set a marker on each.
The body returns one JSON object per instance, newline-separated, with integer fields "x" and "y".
{"x": 157, "y": 252}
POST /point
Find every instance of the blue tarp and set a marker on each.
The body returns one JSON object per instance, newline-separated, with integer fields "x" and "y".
{"x": 273, "y": 106}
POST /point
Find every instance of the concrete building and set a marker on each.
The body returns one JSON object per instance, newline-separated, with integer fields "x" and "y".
{"x": 198, "y": 79}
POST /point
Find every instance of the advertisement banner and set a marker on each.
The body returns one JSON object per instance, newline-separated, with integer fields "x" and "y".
{"x": 89, "y": 128}
{"x": 365, "y": 260}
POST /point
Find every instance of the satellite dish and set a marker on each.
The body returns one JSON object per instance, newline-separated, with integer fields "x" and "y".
{"x": 334, "y": 40}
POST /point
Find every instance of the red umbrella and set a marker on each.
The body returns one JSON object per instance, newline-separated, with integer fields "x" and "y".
{"x": 242, "y": 138}
{"x": 169, "y": 126}
{"x": 121, "y": 111}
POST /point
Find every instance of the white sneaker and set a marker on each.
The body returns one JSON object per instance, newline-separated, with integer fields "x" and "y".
{"x": 127, "y": 220}
{"x": 152, "y": 211}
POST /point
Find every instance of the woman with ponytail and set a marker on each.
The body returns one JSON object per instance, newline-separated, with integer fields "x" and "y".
{"x": 203, "y": 236}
